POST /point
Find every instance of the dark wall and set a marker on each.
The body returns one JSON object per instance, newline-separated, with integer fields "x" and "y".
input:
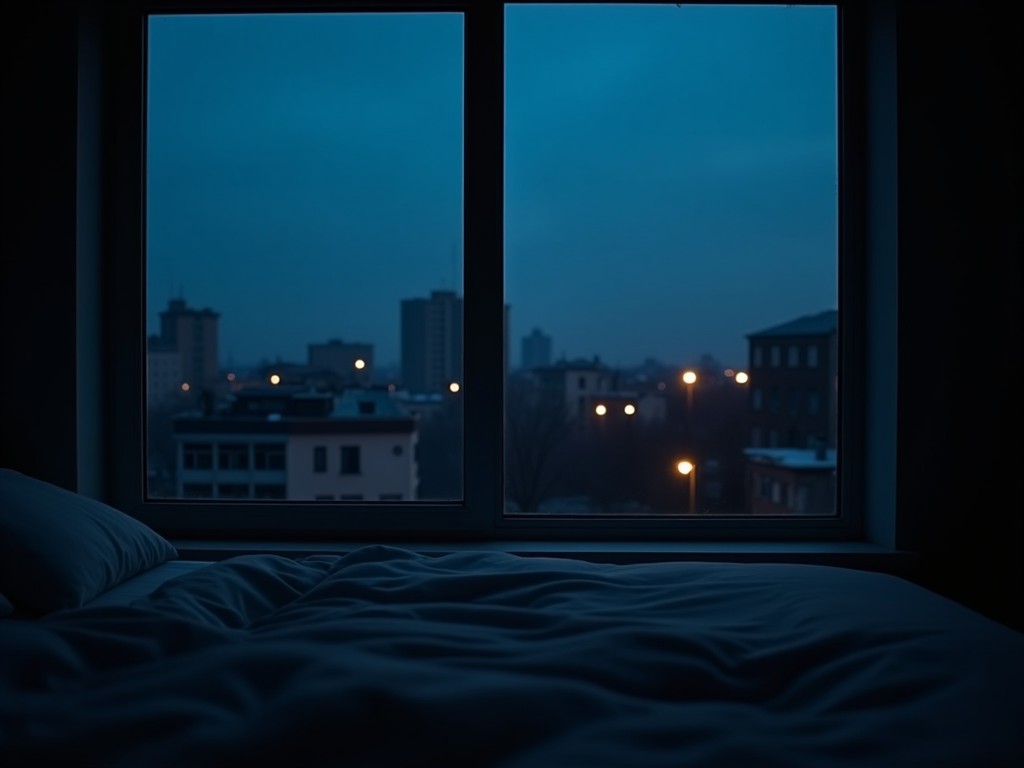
{"x": 960, "y": 237}
{"x": 960, "y": 252}
{"x": 38, "y": 414}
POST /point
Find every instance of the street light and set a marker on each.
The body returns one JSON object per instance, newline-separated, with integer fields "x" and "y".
{"x": 689, "y": 470}
{"x": 689, "y": 379}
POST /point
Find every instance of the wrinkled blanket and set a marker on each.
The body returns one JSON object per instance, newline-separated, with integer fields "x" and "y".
{"x": 388, "y": 657}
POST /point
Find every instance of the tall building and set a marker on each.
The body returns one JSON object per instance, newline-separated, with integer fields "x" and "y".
{"x": 791, "y": 461}
{"x": 193, "y": 333}
{"x": 431, "y": 342}
{"x": 536, "y": 350}
{"x": 793, "y": 383}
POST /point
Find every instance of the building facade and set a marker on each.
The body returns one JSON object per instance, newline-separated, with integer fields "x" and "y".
{"x": 535, "y": 351}
{"x": 194, "y": 334}
{"x": 431, "y": 342}
{"x": 280, "y": 443}
{"x": 794, "y": 383}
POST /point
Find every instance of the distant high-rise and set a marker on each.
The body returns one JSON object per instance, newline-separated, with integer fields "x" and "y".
{"x": 431, "y": 342}
{"x": 191, "y": 336}
{"x": 536, "y": 350}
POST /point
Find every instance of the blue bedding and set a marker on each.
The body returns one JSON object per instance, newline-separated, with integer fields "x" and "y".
{"x": 388, "y": 657}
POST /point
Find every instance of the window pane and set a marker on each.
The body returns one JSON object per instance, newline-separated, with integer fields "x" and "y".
{"x": 304, "y": 256}
{"x": 671, "y": 241}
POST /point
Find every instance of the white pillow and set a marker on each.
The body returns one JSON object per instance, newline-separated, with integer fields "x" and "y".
{"x": 60, "y": 549}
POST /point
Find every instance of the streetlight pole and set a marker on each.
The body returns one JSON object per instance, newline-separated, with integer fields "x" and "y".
{"x": 689, "y": 470}
{"x": 689, "y": 379}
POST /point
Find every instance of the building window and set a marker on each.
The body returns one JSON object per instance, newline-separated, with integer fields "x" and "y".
{"x": 812, "y": 356}
{"x": 793, "y": 402}
{"x": 197, "y": 490}
{"x": 268, "y": 456}
{"x": 232, "y": 456}
{"x": 793, "y": 359}
{"x": 233, "y": 491}
{"x": 269, "y": 491}
{"x": 350, "y": 460}
{"x": 197, "y": 456}
{"x": 756, "y": 399}
{"x": 776, "y": 356}
{"x": 813, "y": 402}
{"x": 320, "y": 458}
{"x": 757, "y": 356}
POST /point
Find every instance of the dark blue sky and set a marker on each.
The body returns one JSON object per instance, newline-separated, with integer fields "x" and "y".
{"x": 670, "y": 175}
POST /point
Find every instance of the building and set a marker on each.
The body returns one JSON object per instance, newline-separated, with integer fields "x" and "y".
{"x": 431, "y": 342}
{"x": 191, "y": 336}
{"x": 164, "y": 381}
{"x": 793, "y": 383}
{"x": 289, "y": 443}
{"x": 791, "y": 481}
{"x": 536, "y": 350}
{"x": 352, "y": 363}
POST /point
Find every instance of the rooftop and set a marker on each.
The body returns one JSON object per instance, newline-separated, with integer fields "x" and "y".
{"x": 809, "y": 325}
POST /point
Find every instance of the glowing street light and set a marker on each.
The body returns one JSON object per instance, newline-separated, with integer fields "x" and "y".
{"x": 359, "y": 364}
{"x": 600, "y": 409}
{"x": 689, "y": 379}
{"x": 742, "y": 377}
{"x": 689, "y": 470}
{"x": 629, "y": 409}
{"x": 275, "y": 379}
{"x": 454, "y": 387}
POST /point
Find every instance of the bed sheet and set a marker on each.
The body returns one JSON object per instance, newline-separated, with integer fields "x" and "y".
{"x": 389, "y": 657}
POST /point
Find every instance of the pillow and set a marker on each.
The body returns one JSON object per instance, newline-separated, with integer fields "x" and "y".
{"x": 60, "y": 549}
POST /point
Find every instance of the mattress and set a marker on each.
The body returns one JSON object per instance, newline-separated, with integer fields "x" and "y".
{"x": 385, "y": 656}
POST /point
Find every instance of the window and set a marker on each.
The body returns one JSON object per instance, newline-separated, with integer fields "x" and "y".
{"x": 793, "y": 358}
{"x": 233, "y": 491}
{"x": 350, "y": 460}
{"x": 499, "y": 215}
{"x": 197, "y": 456}
{"x": 233, "y": 456}
{"x": 812, "y": 356}
{"x": 320, "y": 458}
{"x": 268, "y": 456}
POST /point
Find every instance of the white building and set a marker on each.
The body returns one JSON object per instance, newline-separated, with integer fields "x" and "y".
{"x": 278, "y": 443}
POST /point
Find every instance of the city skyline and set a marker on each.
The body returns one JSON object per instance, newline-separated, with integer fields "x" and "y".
{"x": 670, "y": 176}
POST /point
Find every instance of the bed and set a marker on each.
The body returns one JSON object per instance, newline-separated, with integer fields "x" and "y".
{"x": 388, "y": 656}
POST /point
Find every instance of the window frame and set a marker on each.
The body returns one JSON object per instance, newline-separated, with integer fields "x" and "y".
{"x": 480, "y": 514}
